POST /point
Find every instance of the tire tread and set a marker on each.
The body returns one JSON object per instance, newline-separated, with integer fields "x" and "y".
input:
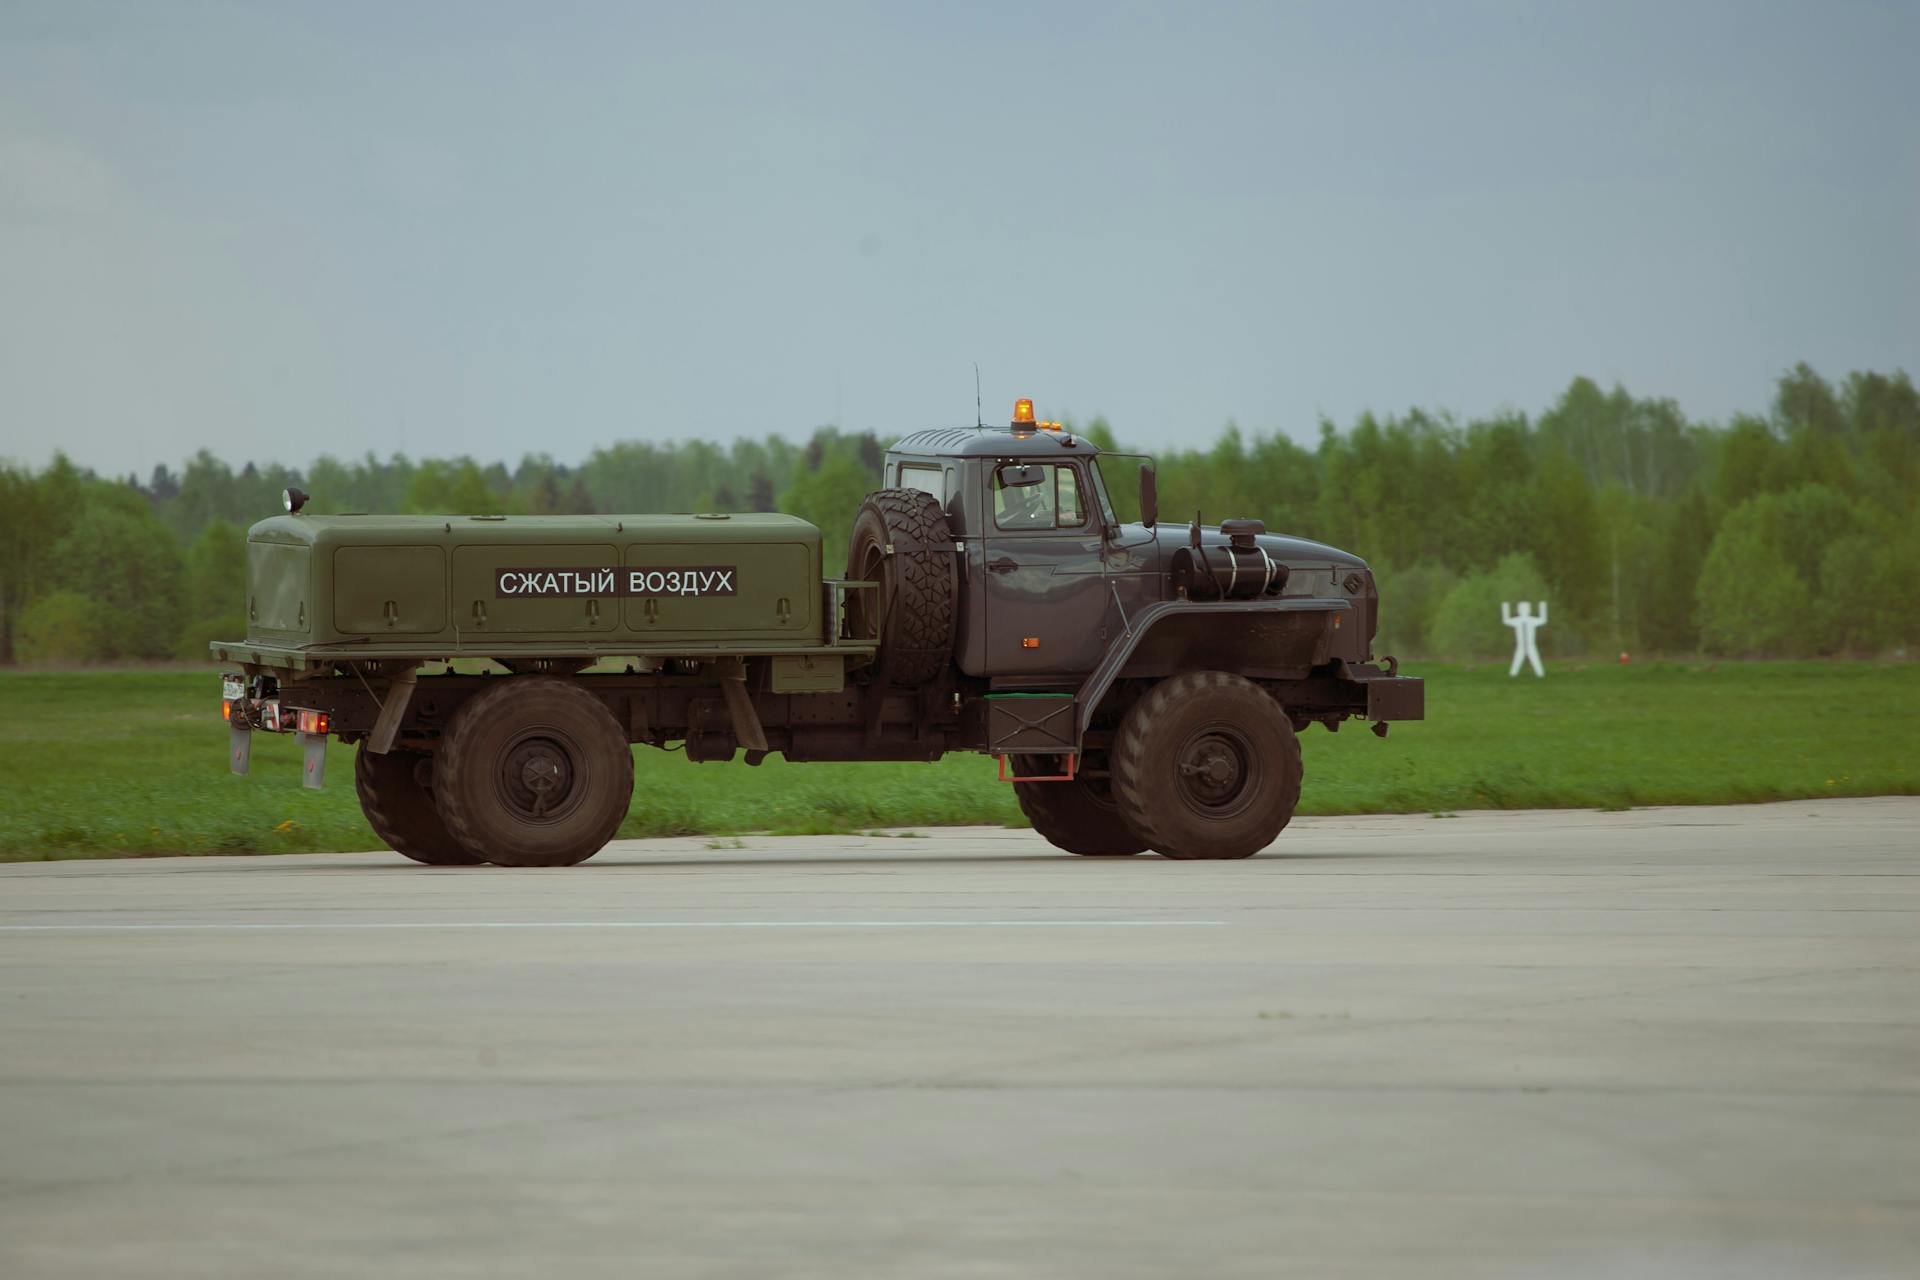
{"x": 458, "y": 758}
{"x": 1142, "y": 798}
{"x": 393, "y": 805}
{"x": 1070, "y": 819}
{"x": 916, "y": 636}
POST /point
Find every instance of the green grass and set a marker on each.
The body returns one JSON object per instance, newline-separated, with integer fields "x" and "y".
{"x": 133, "y": 762}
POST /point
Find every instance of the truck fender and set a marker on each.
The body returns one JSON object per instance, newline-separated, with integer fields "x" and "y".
{"x": 1137, "y": 628}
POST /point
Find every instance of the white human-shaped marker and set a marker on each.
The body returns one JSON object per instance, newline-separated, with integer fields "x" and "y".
{"x": 1526, "y": 624}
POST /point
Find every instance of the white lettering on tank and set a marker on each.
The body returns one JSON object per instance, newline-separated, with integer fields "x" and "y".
{"x": 595, "y": 580}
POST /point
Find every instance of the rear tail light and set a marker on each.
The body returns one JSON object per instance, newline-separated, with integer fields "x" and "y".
{"x": 312, "y": 721}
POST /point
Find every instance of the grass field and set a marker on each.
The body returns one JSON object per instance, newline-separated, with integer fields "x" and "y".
{"x": 134, "y": 762}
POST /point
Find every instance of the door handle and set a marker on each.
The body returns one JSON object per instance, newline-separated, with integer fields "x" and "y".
{"x": 1004, "y": 564}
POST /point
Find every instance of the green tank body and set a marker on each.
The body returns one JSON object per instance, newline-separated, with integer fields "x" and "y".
{"x": 433, "y": 584}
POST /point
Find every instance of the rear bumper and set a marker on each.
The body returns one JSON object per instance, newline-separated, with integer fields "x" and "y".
{"x": 259, "y": 710}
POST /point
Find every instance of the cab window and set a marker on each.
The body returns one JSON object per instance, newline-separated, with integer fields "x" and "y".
{"x": 1037, "y": 496}
{"x": 926, "y": 479}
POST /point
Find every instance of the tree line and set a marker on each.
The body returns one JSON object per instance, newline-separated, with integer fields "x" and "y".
{"x": 1785, "y": 533}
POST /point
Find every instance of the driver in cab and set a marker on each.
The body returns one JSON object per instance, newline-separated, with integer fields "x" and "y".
{"x": 1023, "y": 499}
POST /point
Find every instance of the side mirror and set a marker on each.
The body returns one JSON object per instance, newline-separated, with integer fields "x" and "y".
{"x": 1149, "y": 496}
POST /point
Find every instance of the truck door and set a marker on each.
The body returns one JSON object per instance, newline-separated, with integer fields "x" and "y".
{"x": 1046, "y": 596}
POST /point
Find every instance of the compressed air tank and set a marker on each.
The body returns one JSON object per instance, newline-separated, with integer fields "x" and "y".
{"x": 463, "y": 581}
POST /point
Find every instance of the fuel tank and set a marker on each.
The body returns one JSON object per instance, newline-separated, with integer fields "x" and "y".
{"x": 1238, "y": 559}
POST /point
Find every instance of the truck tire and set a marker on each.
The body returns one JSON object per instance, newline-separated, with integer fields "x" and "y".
{"x": 1079, "y": 817}
{"x": 534, "y": 772}
{"x": 1206, "y": 765}
{"x": 401, "y": 811}
{"x": 901, "y": 539}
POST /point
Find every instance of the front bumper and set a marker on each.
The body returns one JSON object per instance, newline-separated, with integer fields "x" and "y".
{"x": 1396, "y": 698}
{"x": 1381, "y": 693}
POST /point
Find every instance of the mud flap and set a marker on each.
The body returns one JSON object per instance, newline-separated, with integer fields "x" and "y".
{"x": 747, "y": 730}
{"x": 386, "y": 727}
{"x": 313, "y": 769}
{"x": 239, "y": 748}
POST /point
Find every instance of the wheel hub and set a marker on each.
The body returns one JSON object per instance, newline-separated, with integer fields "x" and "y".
{"x": 537, "y": 777}
{"x": 1214, "y": 770}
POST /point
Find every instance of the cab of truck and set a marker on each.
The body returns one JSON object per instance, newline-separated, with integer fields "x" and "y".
{"x": 1050, "y": 576}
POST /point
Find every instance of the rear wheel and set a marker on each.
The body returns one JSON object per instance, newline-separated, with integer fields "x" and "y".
{"x": 534, "y": 772}
{"x": 396, "y": 794}
{"x": 1079, "y": 816}
{"x": 1206, "y": 765}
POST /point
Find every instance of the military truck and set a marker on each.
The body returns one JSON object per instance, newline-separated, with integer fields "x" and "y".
{"x": 1142, "y": 687}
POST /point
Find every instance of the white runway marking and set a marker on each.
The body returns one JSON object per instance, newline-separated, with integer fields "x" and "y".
{"x": 224, "y": 927}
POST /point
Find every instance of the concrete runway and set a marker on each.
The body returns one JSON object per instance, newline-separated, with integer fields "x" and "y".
{"x": 1661, "y": 1043}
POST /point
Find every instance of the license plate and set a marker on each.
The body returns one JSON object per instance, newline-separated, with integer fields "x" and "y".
{"x": 232, "y": 688}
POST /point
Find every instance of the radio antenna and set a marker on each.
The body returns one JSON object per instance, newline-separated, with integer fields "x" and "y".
{"x": 979, "y": 415}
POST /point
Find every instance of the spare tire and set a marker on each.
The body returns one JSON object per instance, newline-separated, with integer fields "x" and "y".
{"x": 901, "y": 540}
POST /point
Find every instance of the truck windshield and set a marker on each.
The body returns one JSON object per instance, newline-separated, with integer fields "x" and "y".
{"x": 1100, "y": 496}
{"x": 1101, "y": 492}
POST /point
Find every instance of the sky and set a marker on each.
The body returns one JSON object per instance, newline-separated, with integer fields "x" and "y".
{"x": 276, "y": 231}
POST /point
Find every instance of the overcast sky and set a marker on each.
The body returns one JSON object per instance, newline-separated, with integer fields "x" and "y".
{"x": 279, "y": 230}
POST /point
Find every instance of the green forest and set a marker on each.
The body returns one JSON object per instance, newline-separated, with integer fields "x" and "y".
{"x": 1789, "y": 532}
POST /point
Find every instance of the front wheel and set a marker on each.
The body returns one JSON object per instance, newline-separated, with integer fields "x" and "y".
{"x": 1206, "y": 766}
{"x": 534, "y": 772}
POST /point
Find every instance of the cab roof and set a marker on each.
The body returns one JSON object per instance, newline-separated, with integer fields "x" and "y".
{"x": 995, "y": 442}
